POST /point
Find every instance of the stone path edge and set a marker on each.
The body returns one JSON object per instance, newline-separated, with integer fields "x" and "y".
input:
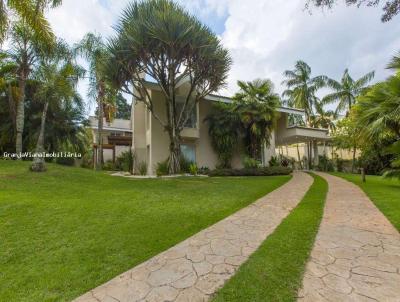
{"x": 197, "y": 267}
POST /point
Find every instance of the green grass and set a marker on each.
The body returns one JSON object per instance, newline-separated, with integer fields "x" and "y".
{"x": 68, "y": 230}
{"x": 384, "y": 193}
{"x": 274, "y": 272}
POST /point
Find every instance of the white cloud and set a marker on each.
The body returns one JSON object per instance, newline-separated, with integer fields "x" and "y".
{"x": 265, "y": 37}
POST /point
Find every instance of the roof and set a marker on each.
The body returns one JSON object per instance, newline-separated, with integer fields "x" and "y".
{"x": 116, "y": 125}
{"x": 225, "y": 99}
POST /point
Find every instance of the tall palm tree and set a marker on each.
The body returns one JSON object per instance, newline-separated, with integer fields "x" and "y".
{"x": 27, "y": 47}
{"x": 29, "y": 11}
{"x": 346, "y": 91}
{"x": 57, "y": 79}
{"x": 395, "y": 62}
{"x": 256, "y": 104}
{"x": 94, "y": 50}
{"x": 323, "y": 118}
{"x": 302, "y": 88}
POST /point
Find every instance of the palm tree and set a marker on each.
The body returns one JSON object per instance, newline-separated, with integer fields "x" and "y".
{"x": 57, "y": 78}
{"x": 302, "y": 88}
{"x": 346, "y": 91}
{"x": 323, "y": 118}
{"x": 26, "y": 48}
{"x": 394, "y": 62}
{"x": 256, "y": 104}
{"x": 30, "y": 12}
{"x": 224, "y": 129}
{"x": 94, "y": 50}
{"x": 378, "y": 110}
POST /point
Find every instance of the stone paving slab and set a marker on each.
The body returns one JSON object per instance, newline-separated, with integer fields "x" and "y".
{"x": 196, "y": 268}
{"x": 356, "y": 256}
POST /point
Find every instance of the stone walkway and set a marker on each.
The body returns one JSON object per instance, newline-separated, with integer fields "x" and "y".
{"x": 195, "y": 268}
{"x": 356, "y": 256}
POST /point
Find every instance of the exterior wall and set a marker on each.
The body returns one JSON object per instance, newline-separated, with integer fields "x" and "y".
{"x": 139, "y": 143}
{"x": 205, "y": 154}
{"x": 291, "y": 151}
{"x": 151, "y": 142}
{"x": 159, "y": 140}
{"x": 270, "y": 150}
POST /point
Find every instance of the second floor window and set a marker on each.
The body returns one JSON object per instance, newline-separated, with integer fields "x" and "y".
{"x": 192, "y": 120}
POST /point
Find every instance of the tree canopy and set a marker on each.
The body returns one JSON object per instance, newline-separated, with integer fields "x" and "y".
{"x": 390, "y": 9}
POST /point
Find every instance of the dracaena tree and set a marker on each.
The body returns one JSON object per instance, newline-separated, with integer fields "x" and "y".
{"x": 159, "y": 40}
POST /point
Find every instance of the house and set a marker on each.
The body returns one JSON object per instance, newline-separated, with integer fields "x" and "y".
{"x": 151, "y": 143}
{"x": 116, "y": 135}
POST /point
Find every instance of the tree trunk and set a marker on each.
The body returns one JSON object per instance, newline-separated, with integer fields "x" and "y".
{"x": 38, "y": 164}
{"x": 298, "y": 157}
{"x": 99, "y": 163}
{"x": 174, "y": 166}
{"x": 353, "y": 164}
{"x": 11, "y": 104}
{"x": 19, "y": 123}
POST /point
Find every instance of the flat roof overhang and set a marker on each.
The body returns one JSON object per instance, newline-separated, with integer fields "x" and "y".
{"x": 225, "y": 99}
{"x": 298, "y": 134}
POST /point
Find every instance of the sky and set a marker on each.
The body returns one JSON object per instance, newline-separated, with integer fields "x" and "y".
{"x": 264, "y": 37}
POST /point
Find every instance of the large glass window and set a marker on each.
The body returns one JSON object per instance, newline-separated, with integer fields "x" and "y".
{"x": 192, "y": 120}
{"x": 189, "y": 152}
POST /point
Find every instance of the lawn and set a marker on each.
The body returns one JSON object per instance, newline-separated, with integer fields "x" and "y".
{"x": 68, "y": 230}
{"x": 274, "y": 272}
{"x": 384, "y": 193}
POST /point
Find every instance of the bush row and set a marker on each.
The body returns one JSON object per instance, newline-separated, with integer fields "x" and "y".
{"x": 263, "y": 171}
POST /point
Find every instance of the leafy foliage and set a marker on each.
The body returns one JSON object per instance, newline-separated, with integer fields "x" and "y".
{"x": 390, "y": 9}
{"x": 346, "y": 91}
{"x": 184, "y": 51}
{"x": 224, "y": 130}
{"x": 256, "y": 105}
{"x": 262, "y": 171}
{"x": 302, "y": 88}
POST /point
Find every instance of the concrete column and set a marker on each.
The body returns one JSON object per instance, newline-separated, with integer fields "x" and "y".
{"x": 315, "y": 153}
{"x": 270, "y": 150}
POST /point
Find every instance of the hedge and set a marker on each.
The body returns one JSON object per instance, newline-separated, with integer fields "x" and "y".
{"x": 265, "y": 171}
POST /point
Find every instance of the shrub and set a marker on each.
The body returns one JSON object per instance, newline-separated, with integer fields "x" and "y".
{"x": 193, "y": 169}
{"x": 185, "y": 165}
{"x": 125, "y": 161}
{"x": 142, "y": 168}
{"x": 325, "y": 164}
{"x": 162, "y": 168}
{"x": 87, "y": 160}
{"x": 66, "y": 161}
{"x": 109, "y": 166}
{"x": 264, "y": 171}
{"x": 204, "y": 170}
{"x": 273, "y": 162}
{"x": 250, "y": 163}
{"x": 339, "y": 164}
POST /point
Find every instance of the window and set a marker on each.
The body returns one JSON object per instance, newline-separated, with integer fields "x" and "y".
{"x": 115, "y": 134}
{"x": 189, "y": 152}
{"x": 192, "y": 120}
